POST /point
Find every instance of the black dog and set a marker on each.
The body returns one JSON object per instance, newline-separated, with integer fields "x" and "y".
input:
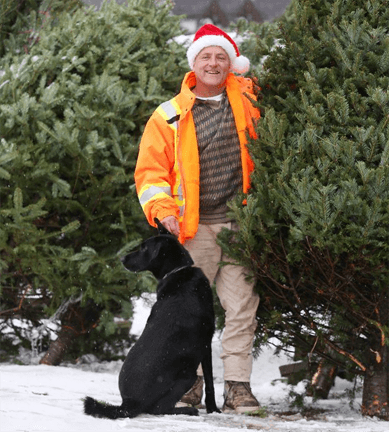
{"x": 161, "y": 367}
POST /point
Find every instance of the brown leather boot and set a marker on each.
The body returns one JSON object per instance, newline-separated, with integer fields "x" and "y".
{"x": 194, "y": 395}
{"x": 239, "y": 398}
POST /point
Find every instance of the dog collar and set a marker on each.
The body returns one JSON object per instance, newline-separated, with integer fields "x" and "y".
{"x": 175, "y": 271}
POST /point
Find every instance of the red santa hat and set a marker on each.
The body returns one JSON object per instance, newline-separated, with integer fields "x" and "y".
{"x": 210, "y": 35}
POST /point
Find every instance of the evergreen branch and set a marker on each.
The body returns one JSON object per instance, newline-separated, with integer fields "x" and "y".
{"x": 345, "y": 354}
{"x": 346, "y": 281}
{"x": 19, "y": 307}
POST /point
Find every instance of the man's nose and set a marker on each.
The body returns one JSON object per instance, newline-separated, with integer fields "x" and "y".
{"x": 212, "y": 61}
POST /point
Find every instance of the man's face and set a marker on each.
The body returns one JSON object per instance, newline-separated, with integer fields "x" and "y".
{"x": 211, "y": 67}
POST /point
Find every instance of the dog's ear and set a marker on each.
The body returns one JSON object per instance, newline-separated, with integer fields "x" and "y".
{"x": 161, "y": 228}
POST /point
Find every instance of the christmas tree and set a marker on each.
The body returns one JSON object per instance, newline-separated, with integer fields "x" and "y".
{"x": 315, "y": 230}
{"x": 15, "y": 15}
{"x": 73, "y": 105}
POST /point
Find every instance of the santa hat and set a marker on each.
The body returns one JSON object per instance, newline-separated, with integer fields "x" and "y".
{"x": 210, "y": 35}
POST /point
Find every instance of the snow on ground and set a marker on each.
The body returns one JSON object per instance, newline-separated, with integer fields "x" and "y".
{"x": 44, "y": 398}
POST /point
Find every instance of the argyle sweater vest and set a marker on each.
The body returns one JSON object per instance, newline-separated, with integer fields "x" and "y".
{"x": 220, "y": 158}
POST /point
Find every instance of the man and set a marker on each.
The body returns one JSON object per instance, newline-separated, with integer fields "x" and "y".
{"x": 192, "y": 160}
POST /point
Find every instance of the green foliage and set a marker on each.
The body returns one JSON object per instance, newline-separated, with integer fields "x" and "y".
{"x": 261, "y": 413}
{"x": 315, "y": 229}
{"x": 20, "y": 20}
{"x": 72, "y": 110}
{"x": 258, "y": 40}
{"x": 296, "y": 399}
{"x": 11, "y": 15}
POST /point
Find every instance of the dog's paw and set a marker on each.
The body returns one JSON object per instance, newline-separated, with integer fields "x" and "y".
{"x": 186, "y": 411}
{"x": 193, "y": 411}
{"x": 213, "y": 409}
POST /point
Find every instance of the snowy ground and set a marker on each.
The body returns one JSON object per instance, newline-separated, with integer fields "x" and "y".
{"x": 43, "y": 398}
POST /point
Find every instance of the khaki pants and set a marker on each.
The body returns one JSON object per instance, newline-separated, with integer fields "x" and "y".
{"x": 237, "y": 298}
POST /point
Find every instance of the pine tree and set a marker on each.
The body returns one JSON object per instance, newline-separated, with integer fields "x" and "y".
{"x": 20, "y": 20}
{"x": 72, "y": 109}
{"x": 315, "y": 229}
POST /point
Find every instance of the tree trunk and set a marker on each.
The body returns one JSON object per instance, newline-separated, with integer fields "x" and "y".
{"x": 375, "y": 398}
{"x": 323, "y": 380}
{"x": 58, "y": 348}
{"x": 76, "y": 321}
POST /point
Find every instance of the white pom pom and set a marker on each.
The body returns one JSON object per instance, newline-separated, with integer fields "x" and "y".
{"x": 241, "y": 64}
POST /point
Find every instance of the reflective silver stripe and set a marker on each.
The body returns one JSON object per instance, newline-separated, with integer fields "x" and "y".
{"x": 149, "y": 193}
{"x": 170, "y": 114}
{"x": 179, "y": 192}
{"x": 169, "y": 109}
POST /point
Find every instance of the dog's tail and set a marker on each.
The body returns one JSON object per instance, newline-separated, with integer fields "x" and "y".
{"x": 104, "y": 410}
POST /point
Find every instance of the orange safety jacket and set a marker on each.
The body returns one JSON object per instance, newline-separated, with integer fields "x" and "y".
{"x": 167, "y": 171}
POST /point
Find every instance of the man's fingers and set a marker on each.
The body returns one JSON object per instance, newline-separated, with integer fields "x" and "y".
{"x": 172, "y": 225}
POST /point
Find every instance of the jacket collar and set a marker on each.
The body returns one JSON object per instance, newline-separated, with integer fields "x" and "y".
{"x": 186, "y": 98}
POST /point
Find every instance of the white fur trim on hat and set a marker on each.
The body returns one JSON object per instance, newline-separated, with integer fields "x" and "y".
{"x": 207, "y": 41}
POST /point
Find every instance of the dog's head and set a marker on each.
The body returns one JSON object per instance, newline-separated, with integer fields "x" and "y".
{"x": 160, "y": 254}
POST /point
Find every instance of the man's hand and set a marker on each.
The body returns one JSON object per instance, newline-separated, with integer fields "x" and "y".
{"x": 172, "y": 225}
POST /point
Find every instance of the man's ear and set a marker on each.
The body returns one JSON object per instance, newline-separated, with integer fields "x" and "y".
{"x": 161, "y": 228}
